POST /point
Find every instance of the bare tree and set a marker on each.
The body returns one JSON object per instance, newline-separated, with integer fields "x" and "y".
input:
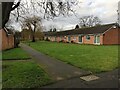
{"x": 49, "y": 9}
{"x": 89, "y": 21}
{"x": 32, "y": 23}
{"x": 54, "y": 30}
{"x": 77, "y": 26}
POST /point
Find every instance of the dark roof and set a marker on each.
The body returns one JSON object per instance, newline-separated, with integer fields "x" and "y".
{"x": 91, "y": 30}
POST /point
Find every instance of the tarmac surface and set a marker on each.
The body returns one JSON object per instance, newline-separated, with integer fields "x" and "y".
{"x": 68, "y": 76}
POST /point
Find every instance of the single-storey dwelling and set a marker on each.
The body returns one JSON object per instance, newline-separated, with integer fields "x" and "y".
{"x": 99, "y": 35}
{"x": 7, "y": 39}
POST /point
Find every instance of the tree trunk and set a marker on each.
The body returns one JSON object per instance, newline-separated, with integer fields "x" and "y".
{"x": 33, "y": 35}
{"x": 33, "y": 38}
{"x": 6, "y": 9}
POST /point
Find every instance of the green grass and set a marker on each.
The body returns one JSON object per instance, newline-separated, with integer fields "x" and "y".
{"x": 23, "y": 74}
{"x": 87, "y": 57}
{"x": 16, "y": 53}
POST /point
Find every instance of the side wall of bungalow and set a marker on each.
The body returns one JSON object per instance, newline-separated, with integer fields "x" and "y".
{"x": 7, "y": 40}
{"x": 111, "y": 36}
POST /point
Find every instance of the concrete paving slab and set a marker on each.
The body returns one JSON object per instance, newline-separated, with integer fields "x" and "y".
{"x": 89, "y": 78}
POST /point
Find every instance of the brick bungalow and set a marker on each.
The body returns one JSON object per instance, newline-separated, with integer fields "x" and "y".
{"x": 100, "y": 35}
{"x": 7, "y": 39}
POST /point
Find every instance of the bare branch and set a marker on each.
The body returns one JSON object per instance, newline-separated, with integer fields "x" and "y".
{"x": 18, "y": 3}
{"x": 89, "y": 21}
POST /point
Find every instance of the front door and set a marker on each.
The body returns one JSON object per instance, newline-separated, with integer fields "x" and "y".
{"x": 96, "y": 39}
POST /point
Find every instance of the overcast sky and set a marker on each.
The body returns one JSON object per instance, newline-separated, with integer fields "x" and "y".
{"x": 106, "y": 10}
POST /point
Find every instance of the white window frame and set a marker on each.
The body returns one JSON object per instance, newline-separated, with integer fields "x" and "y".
{"x": 68, "y": 38}
{"x": 96, "y": 40}
{"x": 86, "y": 37}
{"x": 78, "y": 39}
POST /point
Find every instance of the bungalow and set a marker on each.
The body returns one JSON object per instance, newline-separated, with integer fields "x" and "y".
{"x": 7, "y": 39}
{"x": 100, "y": 35}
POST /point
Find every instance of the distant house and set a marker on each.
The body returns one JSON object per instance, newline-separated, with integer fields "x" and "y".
{"x": 100, "y": 35}
{"x": 7, "y": 37}
{"x": 26, "y": 34}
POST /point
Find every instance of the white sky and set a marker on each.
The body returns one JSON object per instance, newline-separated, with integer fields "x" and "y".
{"x": 106, "y": 10}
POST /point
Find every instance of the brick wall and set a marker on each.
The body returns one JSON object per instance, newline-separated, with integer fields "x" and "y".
{"x": 52, "y": 38}
{"x": 58, "y": 39}
{"x": 73, "y": 38}
{"x": 112, "y": 36}
{"x": 0, "y": 39}
{"x": 91, "y": 41}
{"x": 101, "y": 39}
{"x": 10, "y": 41}
{"x": 7, "y": 40}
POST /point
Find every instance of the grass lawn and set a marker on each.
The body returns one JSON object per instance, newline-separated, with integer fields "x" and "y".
{"x": 16, "y": 53}
{"x": 23, "y": 74}
{"x": 88, "y": 57}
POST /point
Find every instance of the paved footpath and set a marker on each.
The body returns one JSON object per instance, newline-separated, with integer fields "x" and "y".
{"x": 106, "y": 80}
{"x": 69, "y": 76}
{"x": 55, "y": 68}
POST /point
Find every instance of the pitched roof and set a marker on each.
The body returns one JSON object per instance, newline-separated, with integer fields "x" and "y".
{"x": 91, "y": 30}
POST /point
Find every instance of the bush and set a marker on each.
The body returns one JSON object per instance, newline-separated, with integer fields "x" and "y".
{"x": 72, "y": 41}
{"x": 61, "y": 41}
{"x": 47, "y": 39}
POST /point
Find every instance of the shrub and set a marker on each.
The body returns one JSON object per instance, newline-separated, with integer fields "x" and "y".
{"x": 47, "y": 39}
{"x": 72, "y": 41}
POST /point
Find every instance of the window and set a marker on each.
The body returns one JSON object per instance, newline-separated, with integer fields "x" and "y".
{"x": 96, "y": 39}
{"x": 69, "y": 38}
{"x": 61, "y": 38}
{"x": 87, "y": 37}
{"x": 74, "y": 38}
{"x": 80, "y": 38}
